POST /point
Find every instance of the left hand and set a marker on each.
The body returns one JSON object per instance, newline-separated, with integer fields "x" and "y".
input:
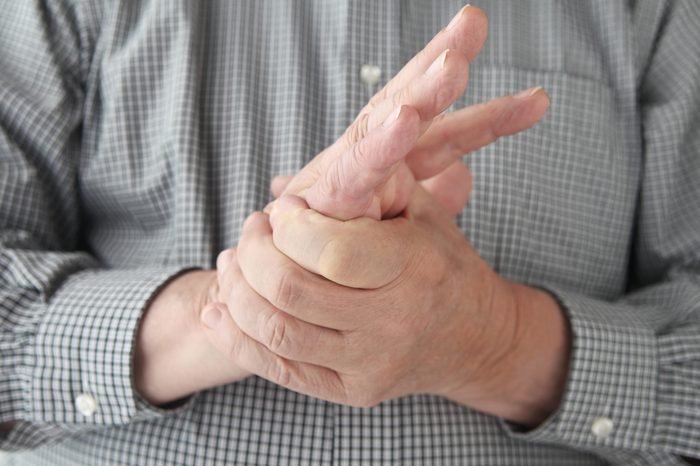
{"x": 403, "y": 135}
{"x": 413, "y": 308}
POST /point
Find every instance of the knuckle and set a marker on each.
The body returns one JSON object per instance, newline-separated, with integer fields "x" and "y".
{"x": 358, "y": 130}
{"x": 330, "y": 185}
{"x": 400, "y": 97}
{"x": 358, "y": 152}
{"x": 288, "y": 288}
{"x": 359, "y": 165}
{"x": 279, "y": 372}
{"x": 502, "y": 124}
{"x": 274, "y": 332}
{"x": 377, "y": 98}
{"x": 442, "y": 98}
{"x": 336, "y": 260}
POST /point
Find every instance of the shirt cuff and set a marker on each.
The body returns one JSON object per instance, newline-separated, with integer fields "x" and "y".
{"x": 81, "y": 362}
{"x": 610, "y": 396}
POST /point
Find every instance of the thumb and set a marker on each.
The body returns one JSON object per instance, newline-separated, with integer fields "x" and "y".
{"x": 279, "y": 184}
{"x": 451, "y": 188}
{"x": 220, "y": 329}
{"x": 223, "y": 361}
{"x": 243, "y": 354}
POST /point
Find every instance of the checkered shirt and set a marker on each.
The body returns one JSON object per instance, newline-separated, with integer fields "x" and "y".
{"x": 136, "y": 136}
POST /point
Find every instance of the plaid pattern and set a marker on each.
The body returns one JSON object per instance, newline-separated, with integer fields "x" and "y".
{"x": 135, "y": 137}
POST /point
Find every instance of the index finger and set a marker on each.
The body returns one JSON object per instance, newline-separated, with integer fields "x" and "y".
{"x": 464, "y": 36}
{"x": 466, "y": 33}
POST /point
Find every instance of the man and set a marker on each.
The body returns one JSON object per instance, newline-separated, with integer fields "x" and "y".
{"x": 138, "y": 137}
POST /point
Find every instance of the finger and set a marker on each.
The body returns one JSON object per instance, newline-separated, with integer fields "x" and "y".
{"x": 224, "y": 262}
{"x": 466, "y": 33}
{"x": 473, "y": 127}
{"x": 222, "y": 332}
{"x": 347, "y": 188}
{"x": 361, "y": 253}
{"x": 279, "y": 183}
{"x": 282, "y": 333}
{"x": 451, "y": 187}
{"x": 429, "y": 75}
{"x": 430, "y": 94}
{"x": 240, "y": 349}
{"x": 289, "y": 287}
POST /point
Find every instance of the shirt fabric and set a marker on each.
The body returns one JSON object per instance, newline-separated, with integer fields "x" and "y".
{"x": 135, "y": 138}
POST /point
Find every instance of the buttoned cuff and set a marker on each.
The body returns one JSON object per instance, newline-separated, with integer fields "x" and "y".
{"x": 610, "y": 396}
{"x": 80, "y": 364}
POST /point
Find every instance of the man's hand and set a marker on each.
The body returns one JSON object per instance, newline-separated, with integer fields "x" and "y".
{"x": 413, "y": 310}
{"x": 403, "y": 135}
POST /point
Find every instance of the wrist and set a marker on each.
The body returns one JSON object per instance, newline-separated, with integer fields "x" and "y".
{"x": 537, "y": 361}
{"x": 538, "y": 358}
{"x": 172, "y": 357}
{"x": 525, "y": 379}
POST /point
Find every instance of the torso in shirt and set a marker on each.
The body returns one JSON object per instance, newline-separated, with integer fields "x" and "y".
{"x": 198, "y": 105}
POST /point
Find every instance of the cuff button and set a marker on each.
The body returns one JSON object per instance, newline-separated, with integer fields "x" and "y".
{"x": 602, "y": 427}
{"x": 86, "y": 404}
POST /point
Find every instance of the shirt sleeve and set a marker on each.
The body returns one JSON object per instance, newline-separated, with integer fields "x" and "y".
{"x": 633, "y": 389}
{"x": 67, "y": 325}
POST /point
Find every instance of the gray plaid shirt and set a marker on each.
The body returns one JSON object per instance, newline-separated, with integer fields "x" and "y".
{"x": 136, "y": 136}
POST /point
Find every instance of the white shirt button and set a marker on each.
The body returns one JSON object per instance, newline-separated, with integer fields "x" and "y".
{"x": 86, "y": 404}
{"x": 602, "y": 427}
{"x": 370, "y": 74}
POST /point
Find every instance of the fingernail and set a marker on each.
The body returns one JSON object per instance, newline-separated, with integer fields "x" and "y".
{"x": 459, "y": 14}
{"x": 211, "y": 316}
{"x": 438, "y": 64}
{"x": 393, "y": 117}
{"x": 527, "y": 93}
{"x": 268, "y": 207}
